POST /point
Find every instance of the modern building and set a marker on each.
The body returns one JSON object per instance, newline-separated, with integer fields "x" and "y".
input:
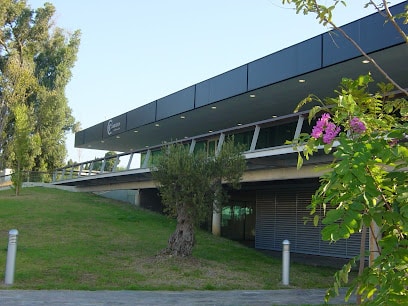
{"x": 255, "y": 102}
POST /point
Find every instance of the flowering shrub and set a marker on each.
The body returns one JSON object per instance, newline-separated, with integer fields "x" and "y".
{"x": 357, "y": 126}
{"x": 366, "y": 185}
{"x": 329, "y": 129}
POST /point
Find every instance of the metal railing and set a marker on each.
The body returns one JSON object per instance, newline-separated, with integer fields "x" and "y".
{"x": 141, "y": 158}
{"x": 28, "y": 177}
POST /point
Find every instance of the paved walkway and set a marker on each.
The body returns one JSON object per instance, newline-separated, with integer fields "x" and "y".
{"x": 158, "y": 298}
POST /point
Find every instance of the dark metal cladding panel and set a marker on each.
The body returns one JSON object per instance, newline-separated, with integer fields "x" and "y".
{"x": 371, "y": 33}
{"x": 377, "y": 34}
{"x": 223, "y": 86}
{"x": 176, "y": 103}
{"x": 114, "y": 126}
{"x": 79, "y": 138}
{"x": 141, "y": 116}
{"x": 94, "y": 133}
{"x": 290, "y": 62}
{"x": 336, "y": 48}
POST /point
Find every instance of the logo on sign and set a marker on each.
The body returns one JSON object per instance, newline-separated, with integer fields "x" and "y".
{"x": 112, "y": 127}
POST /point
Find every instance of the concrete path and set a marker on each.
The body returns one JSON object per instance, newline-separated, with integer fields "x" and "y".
{"x": 158, "y": 298}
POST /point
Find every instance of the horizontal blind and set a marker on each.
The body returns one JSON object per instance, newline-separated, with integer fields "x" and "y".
{"x": 265, "y": 221}
{"x": 280, "y": 214}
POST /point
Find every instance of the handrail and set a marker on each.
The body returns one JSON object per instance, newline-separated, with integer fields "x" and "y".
{"x": 29, "y": 177}
{"x": 87, "y": 168}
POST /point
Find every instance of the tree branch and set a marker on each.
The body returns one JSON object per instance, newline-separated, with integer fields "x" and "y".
{"x": 357, "y": 46}
{"x": 395, "y": 24}
{"x": 362, "y": 258}
{"x": 4, "y": 45}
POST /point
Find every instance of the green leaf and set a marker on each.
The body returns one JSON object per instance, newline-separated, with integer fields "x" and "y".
{"x": 371, "y": 293}
{"x": 403, "y": 151}
{"x": 316, "y": 220}
{"x": 359, "y": 174}
{"x": 299, "y": 161}
{"x": 329, "y": 233}
{"x": 312, "y": 113}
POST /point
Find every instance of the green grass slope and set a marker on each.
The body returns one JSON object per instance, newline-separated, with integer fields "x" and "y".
{"x": 83, "y": 241}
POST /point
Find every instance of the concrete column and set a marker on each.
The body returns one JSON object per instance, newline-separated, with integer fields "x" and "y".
{"x": 137, "y": 198}
{"x": 216, "y": 223}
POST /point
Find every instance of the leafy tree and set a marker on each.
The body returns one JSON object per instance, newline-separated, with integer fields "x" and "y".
{"x": 28, "y": 38}
{"x": 110, "y": 159}
{"x": 366, "y": 185}
{"x": 190, "y": 185}
{"x": 25, "y": 146}
{"x": 54, "y": 119}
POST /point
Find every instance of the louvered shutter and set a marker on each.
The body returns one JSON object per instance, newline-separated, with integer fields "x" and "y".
{"x": 280, "y": 213}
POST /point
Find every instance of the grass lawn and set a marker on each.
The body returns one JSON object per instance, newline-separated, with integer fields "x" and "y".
{"x": 83, "y": 241}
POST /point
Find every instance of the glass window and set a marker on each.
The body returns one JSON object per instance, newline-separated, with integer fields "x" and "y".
{"x": 244, "y": 139}
{"x": 306, "y": 127}
{"x": 276, "y": 135}
{"x": 200, "y": 146}
{"x": 153, "y": 157}
{"x": 212, "y": 147}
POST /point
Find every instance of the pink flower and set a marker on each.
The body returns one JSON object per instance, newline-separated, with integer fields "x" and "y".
{"x": 317, "y": 132}
{"x": 357, "y": 126}
{"x": 320, "y": 125}
{"x": 325, "y": 118}
{"x": 329, "y": 129}
{"x": 331, "y": 132}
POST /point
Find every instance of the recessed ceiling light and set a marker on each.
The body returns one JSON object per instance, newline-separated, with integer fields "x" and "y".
{"x": 274, "y": 116}
{"x": 117, "y": 137}
{"x": 182, "y": 117}
{"x": 252, "y": 96}
{"x": 366, "y": 61}
{"x": 146, "y": 146}
{"x": 185, "y": 137}
{"x": 102, "y": 141}
{"x": 302, "y": 81}
{"x": 135, "y": 131}
{"x": 157, "y": 124}
{"x": 239, "y": 124}
{"x": 210, "y": 131}
{"x": 89, "y": 146}
{"x": 213, "y": 107}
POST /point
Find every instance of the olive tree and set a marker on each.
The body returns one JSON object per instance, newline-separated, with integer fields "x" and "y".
{"x": 190, "y": 186}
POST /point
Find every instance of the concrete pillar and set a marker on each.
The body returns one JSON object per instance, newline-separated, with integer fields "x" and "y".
{"x": 137, "y": 198}
{"x": 216, "y": 223}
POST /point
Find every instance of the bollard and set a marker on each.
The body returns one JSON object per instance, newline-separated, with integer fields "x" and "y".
{"x": 11, "y": 257}
{"x": 285, "y": 262}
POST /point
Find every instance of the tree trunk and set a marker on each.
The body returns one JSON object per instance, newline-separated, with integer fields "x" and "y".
{"x": 181, "y": 242}
{"x": 362, "y": 258}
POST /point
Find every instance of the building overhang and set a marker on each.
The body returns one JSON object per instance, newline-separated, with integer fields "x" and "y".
{"x": 268, "y": 87}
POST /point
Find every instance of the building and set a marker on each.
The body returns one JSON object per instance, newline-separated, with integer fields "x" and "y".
{"x": 255, "y": 102}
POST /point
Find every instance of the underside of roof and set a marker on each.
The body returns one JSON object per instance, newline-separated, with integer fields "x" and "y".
{"x": 268, "y": 87}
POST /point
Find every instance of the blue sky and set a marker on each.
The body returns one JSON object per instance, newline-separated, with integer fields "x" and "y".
{"x": 133, "y": 52}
